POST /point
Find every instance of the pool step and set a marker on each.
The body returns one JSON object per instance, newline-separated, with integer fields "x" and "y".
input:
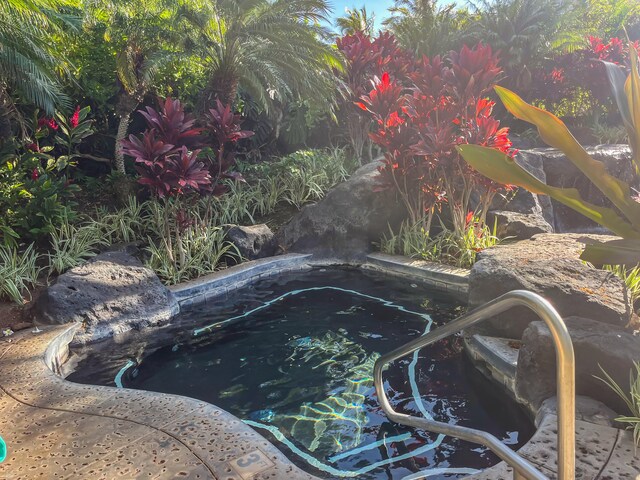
{"x": 498, "y": 357}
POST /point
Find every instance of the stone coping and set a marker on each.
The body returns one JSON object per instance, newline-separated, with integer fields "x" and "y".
{"x": 223, "y": 281}
{"x": 452, "y": 280}
{"x": 56, "y": 428}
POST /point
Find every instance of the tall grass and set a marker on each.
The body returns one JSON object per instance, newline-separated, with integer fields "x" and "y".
{"x": 448, "y": 246}
{"x": 631, "y": 399}
{"x": 631, "y": 278}
{"x": 72, "y": 244}
{"x": 19, "y": 271}
{"x": 182, "y": 250}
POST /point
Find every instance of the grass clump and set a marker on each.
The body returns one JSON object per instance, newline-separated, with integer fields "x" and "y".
{"x": 19, "y": 271}
{"x": 631, "y": 399}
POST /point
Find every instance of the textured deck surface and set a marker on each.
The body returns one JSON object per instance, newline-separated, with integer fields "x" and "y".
{"x": 57, "y": 429}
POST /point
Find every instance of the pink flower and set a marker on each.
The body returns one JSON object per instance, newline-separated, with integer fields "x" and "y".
{"x": 32, "y": 146}
{"x": 35, "y": 175}
{"x": 75, "y": 118}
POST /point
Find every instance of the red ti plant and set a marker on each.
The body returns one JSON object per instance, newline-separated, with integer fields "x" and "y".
{"x": 162, "y": 156}
{"x": 366, "y": 58}
{"x": 567, "y": 76}
{"x": 420, "y": 122}
{"x": 223, "y": 128}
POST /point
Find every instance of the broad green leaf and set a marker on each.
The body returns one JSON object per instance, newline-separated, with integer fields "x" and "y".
{"x": 615, "y": 252}
{"x": 503, "y": 169}
{"x": 556, "y": 134}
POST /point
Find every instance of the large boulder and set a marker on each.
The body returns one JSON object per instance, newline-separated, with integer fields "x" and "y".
{"x": 253, "y": 242}
{"x": 595, "y": 345}
{"x": 517, "y": 225}
{"x": 547, "y": 264}
{"x": 523, "y": 201}
{"x": 110, "y": 294}
{"x": 346, "y": 222}
{"x": 561, "y": 172}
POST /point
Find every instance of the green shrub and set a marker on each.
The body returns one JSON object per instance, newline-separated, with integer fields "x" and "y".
{"x": 123, "y": 225}
{"x": 631, "y": 278}
{"x": 609, "y": 134}
{"x": 18, "y": 272}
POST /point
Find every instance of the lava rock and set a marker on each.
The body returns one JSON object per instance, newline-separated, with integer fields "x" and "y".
{"x": 346, "y": 222}
{"x": 518, "y": 225}
{"x": 111, "y": 294}
{"x": 523, "y": 201}
{"x": 547, "y": 264}
{"x": 561, "y": 172}
{"x": 587, "y": 410}
{"x": 595, "y": 345}
{"x": 252, "y": 242}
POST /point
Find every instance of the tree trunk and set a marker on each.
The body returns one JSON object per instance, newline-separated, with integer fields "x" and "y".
{"x": 123, "y": 127}
{"x": 125, "y": 106}
{"x": 222, "y": 86}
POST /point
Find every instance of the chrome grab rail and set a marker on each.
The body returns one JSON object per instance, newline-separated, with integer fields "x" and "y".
{"x": 565, "y": 381}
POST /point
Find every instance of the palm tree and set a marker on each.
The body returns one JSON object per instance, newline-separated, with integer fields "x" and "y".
{"x": 272, "y": 49}
{"x": 424, "y": 28}
{"x": 522, "y": 30}
{"x": 28, "y": 61}
{"x": 356, "y": 20}
{"x": 141, "y": 34}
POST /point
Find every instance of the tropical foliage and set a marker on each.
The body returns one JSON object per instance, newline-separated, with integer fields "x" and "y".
{"x": 623, "y": 216}
{"x": 263, "y": 110}
{"x": 420, "y": 119}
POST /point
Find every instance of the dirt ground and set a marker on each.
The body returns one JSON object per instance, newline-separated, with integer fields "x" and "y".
{"x": 15, "y": 316}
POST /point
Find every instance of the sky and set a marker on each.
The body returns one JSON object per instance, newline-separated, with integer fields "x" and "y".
{"x": 378, "y": 7}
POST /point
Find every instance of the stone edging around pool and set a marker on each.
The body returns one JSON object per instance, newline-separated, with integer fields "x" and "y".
{"x": 128, "y": 432}
{"x": 451, "y": 280}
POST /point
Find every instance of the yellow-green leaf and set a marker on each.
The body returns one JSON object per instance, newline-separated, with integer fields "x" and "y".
{"x": 614, "y": 252}
{"x": 556, "y": 134}
{"x": 632, "y": 89}
{"x": 503, "y": 169}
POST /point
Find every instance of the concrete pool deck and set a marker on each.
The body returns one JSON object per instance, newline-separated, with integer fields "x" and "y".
{"x": 57, "y": 429}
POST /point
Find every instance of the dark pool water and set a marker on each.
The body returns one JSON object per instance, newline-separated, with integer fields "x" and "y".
{"x": 296, "y": 364}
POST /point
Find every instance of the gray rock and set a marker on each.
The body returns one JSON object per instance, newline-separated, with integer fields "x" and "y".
{"x": 587, "y": 410}
{"x": 346, "y": 222}
{"x": 517, "y": 225}
{"x": 523, "y": 201}
{"x": 547, "y": 264}
{"x": 110, "y": 294}
{"x": 561, "y": 172}
{"x": 595, "y": 344}
{"x": 253, "y": 242}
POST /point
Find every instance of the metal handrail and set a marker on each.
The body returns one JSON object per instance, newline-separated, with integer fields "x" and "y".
{"x": 565, "y": 380}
